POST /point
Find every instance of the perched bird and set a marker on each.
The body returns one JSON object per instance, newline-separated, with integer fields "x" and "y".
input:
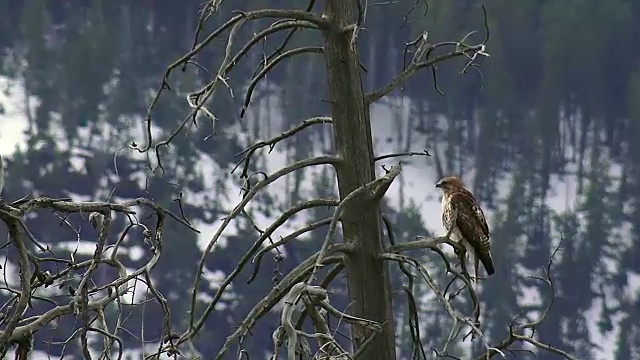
{"x": 470, "y": 228}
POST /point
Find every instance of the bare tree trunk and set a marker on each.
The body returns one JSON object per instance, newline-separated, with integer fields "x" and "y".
{"x": 369, "y": 286}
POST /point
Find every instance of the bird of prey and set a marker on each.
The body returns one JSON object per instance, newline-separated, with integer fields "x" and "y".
{"x": 470, "y": 228}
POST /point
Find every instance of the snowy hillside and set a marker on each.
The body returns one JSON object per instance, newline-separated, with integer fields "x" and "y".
{"x": 416, "y": 182}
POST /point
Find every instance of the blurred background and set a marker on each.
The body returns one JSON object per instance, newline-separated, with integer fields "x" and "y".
{"x": 546, "y": 133}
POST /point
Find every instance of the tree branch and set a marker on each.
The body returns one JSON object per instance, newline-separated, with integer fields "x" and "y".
{"x": 374, "y": 190}
{"x": 235, "y": 212}
{"x": 425, "y": 49}
{"x": 271, "y": 143}
{"x": 269, "y": 66}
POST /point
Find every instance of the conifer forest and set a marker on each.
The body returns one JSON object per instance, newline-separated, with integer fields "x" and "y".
{"x": 217, "y": 179}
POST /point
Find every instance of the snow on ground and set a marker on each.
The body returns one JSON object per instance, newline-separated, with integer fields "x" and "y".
{"x": 418, "y": 177}
{"x": 418, "y": 172}
{"x": 13, "y": 119}
{"x": 563, "y": 197}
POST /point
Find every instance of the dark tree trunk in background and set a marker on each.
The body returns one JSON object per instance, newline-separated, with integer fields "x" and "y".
{"x": 368, "y": 278}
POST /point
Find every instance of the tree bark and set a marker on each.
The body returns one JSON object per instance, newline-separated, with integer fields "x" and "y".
{"x": 368, "y": 278}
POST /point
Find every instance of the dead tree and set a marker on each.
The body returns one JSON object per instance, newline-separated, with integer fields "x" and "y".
{"x": 362, "y": 253}
{"x": 303, "y": 290}
{"x": 368, "y": 278}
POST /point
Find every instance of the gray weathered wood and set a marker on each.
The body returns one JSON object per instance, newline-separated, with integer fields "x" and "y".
{"x": 368, "y": 276}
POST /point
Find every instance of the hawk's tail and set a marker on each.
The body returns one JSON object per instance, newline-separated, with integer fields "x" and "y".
{"x": 487, "y": 262}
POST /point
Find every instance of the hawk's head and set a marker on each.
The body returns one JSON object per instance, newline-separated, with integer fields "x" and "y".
{"x": 449, "y": 183}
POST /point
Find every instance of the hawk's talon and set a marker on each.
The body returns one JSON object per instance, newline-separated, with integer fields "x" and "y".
{"x": 460, "y": 252}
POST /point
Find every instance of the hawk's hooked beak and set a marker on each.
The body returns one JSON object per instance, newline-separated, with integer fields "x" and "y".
{"x": 439, "y": 185}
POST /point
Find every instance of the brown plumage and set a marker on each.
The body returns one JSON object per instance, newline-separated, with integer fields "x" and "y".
{"x": 470, "y": 228}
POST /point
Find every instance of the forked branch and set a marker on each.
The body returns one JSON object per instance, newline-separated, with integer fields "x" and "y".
{"x": 422, "y": 59}
{"x": 524, "y": 332}
{"x": 198, "y": 99}
{"x": 373, "y": 190}
{"x": 313, "y": 296}
{"x": 88, "y": 298}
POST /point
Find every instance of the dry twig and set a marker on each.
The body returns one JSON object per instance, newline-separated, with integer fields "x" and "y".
{"x": 88, "y": 299}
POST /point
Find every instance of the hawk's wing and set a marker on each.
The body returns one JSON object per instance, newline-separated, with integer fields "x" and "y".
{"x": 473, "y": 227}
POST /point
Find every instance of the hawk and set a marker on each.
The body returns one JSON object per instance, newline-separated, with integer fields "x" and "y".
{"x": 470, "y": 228}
